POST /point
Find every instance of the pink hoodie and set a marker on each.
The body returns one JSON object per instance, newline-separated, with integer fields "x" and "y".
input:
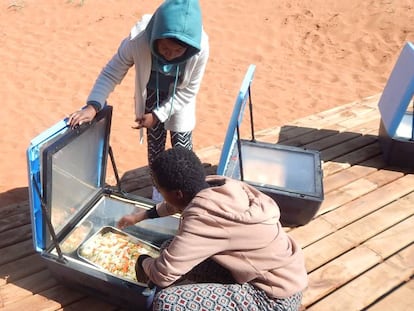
{"x": 237, "y": 226}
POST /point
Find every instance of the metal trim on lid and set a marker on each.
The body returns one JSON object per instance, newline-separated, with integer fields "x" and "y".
{"x": 235, "y": 121}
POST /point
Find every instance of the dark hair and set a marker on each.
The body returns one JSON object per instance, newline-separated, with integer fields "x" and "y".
{"x": 179, "y": 42}
{"x": 179, "y": 168}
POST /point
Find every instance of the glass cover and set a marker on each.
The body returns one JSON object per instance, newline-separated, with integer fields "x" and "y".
{"x": 275, "y": 165}
{"x": 76, "y": 170}
{"x": 405, "y": 128}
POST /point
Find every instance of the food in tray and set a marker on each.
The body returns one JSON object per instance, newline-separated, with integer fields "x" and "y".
{"x": 115, "y": 252}
{"x": 72, "y": 242}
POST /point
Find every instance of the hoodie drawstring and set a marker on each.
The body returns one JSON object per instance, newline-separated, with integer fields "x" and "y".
{"x": 177, "y": 74}
{"x": 175, "y": 87}
{"x": 157, "y": 84}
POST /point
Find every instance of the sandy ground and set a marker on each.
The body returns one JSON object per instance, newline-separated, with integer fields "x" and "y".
{"x": 310, "y": 55}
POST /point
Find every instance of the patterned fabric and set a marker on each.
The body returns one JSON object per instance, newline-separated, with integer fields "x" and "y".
{"x": 226, "y": 297}
{"x": 157, "y": 135}
{"x": 210, "y": 286}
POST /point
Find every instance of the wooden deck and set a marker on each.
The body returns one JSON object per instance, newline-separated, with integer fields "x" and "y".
{"x": 359, "y": 248}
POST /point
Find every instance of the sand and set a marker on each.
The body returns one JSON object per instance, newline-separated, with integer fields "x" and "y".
{"x": 310, "y": 55}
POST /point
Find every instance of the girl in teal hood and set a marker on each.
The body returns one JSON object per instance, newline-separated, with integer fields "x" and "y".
{"x": 169, "y": 50}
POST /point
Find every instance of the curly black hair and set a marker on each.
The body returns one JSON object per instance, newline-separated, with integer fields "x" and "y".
{"x": 179, "y": 168}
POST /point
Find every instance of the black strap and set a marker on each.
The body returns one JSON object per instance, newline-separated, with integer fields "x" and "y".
{"x": 48, "y": 222}
{"x": 152, "y": 213}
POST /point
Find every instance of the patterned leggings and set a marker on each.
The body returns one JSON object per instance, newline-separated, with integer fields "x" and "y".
{"x": 217, "y": 296}
{"x": 157, "y": 135}
{"x": 210, "y": 286}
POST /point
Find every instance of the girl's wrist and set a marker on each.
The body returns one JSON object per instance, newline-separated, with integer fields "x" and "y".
{"x": 152, "y": 213}
{"x": 95, "y": 105}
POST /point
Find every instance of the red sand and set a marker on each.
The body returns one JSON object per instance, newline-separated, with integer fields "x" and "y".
{"x": 311, "y": 55}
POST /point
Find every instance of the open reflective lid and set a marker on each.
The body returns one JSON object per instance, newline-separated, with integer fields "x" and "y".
{"x": 398, "y": 92}
{"x": 236, "y": 118}
{"x": 66, "y": 170}
{"x": 286, "y": 168}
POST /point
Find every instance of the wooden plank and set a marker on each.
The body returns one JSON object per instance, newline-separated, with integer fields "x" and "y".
{"x": 279, "y": 134}
{"x": 351, "y": 110}
{"x": 14, "y": 209}
{"x": 90, "y": 304}
{"x": 268, "y": 135}
{"x": 331, "y": 138}
{"x": 364, "y": 126}
{"x": 371, "y": 101}
{"x": 357, "y": 189}
{"x": 369, "y": 123}
{"x": 338, "y": 114}
{"x": 356, "y": 233}
{"x": 370, "y": 202}
{"x": 145, "y": 192}
{"x": 342, "y": 148}
{"x": 367, "y": 221}
{"x": 338, "y": 272}
{"x": 388, "y": 242}
{"x": 12, "y": 198}
{"x": 377, "y": 162}
{"x": 51, "y": 299}
{"x": 15, "y": 235}
{"x": 330, "y": 168}
{"x": 367, "y": 288}
{"x": 315, "y": 230}
{"x": 293, "y": 132}
{"x": 344, "y": 177}
{"x": 332, "y": 142}
{"x": 15, "y": 270}
{"x": 309, "y": 137}
{"x": 33, "y": 284}
{"x": 361, "y": 154}
{"x": 16, "y": 220}
{"x": 321, "y": 226}
{"x": 135, "y": 179}
{"x": 400, "y": 298}
{"x": 345, "y": 194}
{"x": 333, "y": 125}
{"x": 322, "y": 138}
{"x": 16, "y": 251}
{"x": 10, "y": 213}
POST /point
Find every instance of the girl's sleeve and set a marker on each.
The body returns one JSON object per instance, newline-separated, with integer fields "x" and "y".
{"x": 113, "y": 73}
{"x": 199, "y": 238}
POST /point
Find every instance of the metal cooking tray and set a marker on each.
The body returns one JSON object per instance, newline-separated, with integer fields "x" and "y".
{"x": 151, "y": 250}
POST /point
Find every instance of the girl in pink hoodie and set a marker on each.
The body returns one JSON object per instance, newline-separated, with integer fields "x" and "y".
{"x": 230, "y": 251}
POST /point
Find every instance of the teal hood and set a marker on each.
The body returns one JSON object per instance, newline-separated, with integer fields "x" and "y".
{"x": 178, "y": 19}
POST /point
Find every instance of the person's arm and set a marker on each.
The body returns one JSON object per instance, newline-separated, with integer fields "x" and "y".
{"x": 199, "y": 238}
{"x": 132, "y": 219}
{"x": 113, "y": 73}
{"x": 159, "y": 210}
